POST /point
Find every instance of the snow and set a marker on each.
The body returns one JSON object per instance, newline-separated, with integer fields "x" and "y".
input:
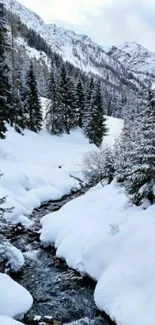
{"x": 32, "y": 52}
{"x": 78, "y": 49}
{"x": 100, "y": 234}
{"x": 135, "y": 58}
{"x": 10, "y": 253}
{"x": 15, "y": 258}
{"x": 5, "y": 320}
{"x": 115, "y": 127}
{"x": 30, "y": 164}
{"x": 14, "y": 299}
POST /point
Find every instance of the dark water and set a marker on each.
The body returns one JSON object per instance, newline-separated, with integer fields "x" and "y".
{"x": 57, "y": 291}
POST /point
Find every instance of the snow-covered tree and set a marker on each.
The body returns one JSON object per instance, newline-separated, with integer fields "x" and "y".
{"x": 88, "y": 106}
{"x": 123, "y": 151}
{"x": 98, "y": 166}
{"x": 68, "y": 102}
{"x": 54, "y": 114}
{"x": 4, "y": 82}
{"x": 109, "y": 164}
{"x": 96, "y": 128}
{"x": 93, "y": 166}
{"x": 80, "y": 97}
{"x": 141, "y": 176}
{"x": 33, "y": 102}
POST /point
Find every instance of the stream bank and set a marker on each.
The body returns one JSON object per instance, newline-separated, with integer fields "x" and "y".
{"x": 61, "y": 295}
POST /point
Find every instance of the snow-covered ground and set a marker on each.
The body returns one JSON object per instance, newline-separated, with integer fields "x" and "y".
{"x": 102, "y": 235}
{"x": 32, "y": 174}
{"x": 14, "y": 300}
{"x": 5, "y": 320}
{"x": 30, "y": 165}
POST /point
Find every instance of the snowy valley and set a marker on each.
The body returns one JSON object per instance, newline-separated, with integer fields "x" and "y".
{"x": 84, "y": 57}
{"x": 77, "y": 182}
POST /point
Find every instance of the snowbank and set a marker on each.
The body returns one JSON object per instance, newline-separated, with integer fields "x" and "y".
{"x": 13, "y": 255}
{"x": 101, "y": 235}
{"x": 15, "y": 258}
{"x": 5, "y": 320}
{"x": 14, "y": 299}
{"x": 115, "y": 127}
{"x": 38, "y": 167}
{"x": 30, "y": 164}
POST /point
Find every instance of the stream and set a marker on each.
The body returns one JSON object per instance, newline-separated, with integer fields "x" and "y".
{"x": 58, "y": 292}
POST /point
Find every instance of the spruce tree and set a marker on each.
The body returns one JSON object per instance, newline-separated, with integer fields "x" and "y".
{"x": 4, "y": 72}
{"x": 33, "y": 103}
{"x": 18, "y": 104}
{"x": 109, "y": 165}
{"x": 124, "y": 150}
{"x": 68, "y": 104}
{"x": 54, "y": 114}
{"x": 97, "y": 128}
{"x": 141, "y": 176}
{"x": 88, "y": 106}
{"x": 80, "y": 101}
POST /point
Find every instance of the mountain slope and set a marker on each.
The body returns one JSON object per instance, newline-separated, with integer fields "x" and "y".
{"x": 77, "y": 49}
{"x": 135, "y": 58}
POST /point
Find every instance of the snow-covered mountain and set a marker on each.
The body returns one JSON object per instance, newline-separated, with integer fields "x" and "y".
{"x": 80, "y": 50}
{"x": 135, "y": 58}
{"x": 77, "y": 49}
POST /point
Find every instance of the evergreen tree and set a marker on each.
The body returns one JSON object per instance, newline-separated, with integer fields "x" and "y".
{"x": 33, "y": 103}
{"x": 141, "y": 176}
{"x": 109, "y": 165}
{"x": 54, "y": 114}
{"x": 22, "y": 119}
{"x": 4, "y": 71}
{"x": 123, "y": 150}
{"x": 68, "y": 102}
{"x": 80, "y": 95}
{"x": 96, "y": 128}
{"x": 88, "y": 106}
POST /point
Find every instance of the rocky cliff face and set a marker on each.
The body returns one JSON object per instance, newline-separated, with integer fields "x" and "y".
{"x": 80, "y": 50}
{"x": 135, "y": 58}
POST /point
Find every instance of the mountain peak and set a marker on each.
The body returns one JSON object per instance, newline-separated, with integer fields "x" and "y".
{"x": 134, "y": 57}
{"x": 78, "y": 49}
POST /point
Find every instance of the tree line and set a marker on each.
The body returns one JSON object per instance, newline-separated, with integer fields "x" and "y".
{"x": 79, "y": 103}
{"x": 131, "y": 161}
{"x": 70, "y": 103}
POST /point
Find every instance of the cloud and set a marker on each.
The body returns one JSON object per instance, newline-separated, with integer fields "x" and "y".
{"x": 105, "y": 21}
{"x": 72, "y": 11}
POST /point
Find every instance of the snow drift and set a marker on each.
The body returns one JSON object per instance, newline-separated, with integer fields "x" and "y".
{"x": 100, "y": 234}
{"x": 14, "y": 299}
{"x": 5, "y": 320}
{"x": 41, "y": 167}
{"x": 38, "y": 168}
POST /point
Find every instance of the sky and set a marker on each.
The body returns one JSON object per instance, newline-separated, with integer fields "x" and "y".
{"x": 107, "y": 22}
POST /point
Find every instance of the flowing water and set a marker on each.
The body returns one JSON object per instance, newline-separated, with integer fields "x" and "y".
{"x": 58, "y": 292}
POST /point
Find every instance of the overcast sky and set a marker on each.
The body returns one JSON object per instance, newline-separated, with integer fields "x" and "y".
{"x": 107, "y": 22}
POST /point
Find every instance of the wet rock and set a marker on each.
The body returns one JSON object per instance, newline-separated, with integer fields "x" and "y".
{"x": 39, "y": 320}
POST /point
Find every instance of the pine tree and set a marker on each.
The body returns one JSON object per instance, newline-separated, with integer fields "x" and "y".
{"x": 123, "y": 150}
{"x": 22, "y": 118}
{"x": 80, "y": 97}
{"x": 4, "y": 71}
{"x": 54, "y": 114}
{"x": 33, "y": 102}
{"x": 88, "y": 106}
{"x": 68, "y": 104}
{"x": 96, "y": 128}
{"x": 141, "y": 177}
{"x": 109, "y": 165}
